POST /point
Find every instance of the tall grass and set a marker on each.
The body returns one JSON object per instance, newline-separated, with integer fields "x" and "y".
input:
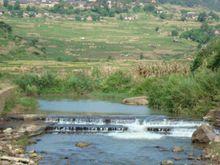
{"x": 178, "y": 94}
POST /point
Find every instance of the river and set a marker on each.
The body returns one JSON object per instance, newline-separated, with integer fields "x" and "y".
{"x": 118, "y": 134}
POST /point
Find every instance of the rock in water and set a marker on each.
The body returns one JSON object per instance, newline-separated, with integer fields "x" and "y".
{"x": 167, "y": 162}
{"x": 82, "y": 144}
{"x": 203, "y": 134}
{"x": 142, "y": 100}
{"x": 177, "y": 149}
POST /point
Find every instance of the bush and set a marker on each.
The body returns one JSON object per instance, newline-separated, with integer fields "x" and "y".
{"x": 174, "y": 33}
{"x": 31, "y": 90}
{"x": 149, "y": 8}
{"x": 116, "y": 82}
{"x": 196, "y": 35}
{"x": 202, "y": 17}
{"x": 5, "y": 27}
{"x": 80, "y": 83}
{"x": 32, "y": 83}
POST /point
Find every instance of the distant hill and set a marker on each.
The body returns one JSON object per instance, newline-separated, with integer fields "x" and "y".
{"x": 211, "y": 4}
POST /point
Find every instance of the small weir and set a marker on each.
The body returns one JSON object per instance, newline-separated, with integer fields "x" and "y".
{"x": 81, "y": 128}
{"x": 121, "y": 123}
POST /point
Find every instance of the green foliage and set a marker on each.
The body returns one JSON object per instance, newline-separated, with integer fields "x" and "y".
{"x": 5, "y": 27}
{"x": 137, "y": 8}
{"x": 9, "y": 104}
{"x": 5, "y": 3}
{"x": 116, "y": 82}
{"x": 27, "y": 102}
{"x": 174, "y": 33}
{"x": 212, "y": 4}
{"x": 80, "y": 83}
{"x": 214, "y": 16}
{"x": 208, "y": 57}
{"x": 17, "y": 5}
{"x": 41, "y": 82}
{"x": 157, "y": 29}
{"x": 202, "y": 17}
{"x": 31, "y": 90}
{"x": 165, "y": 16}
{"x": 202, "y": 35}
{"x": 149, "y": 8}
{"x": 179, "y": 94}
{"x": 196, "y": 35}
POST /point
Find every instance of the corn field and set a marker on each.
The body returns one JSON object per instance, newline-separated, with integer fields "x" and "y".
{"x": 158, "y": 69}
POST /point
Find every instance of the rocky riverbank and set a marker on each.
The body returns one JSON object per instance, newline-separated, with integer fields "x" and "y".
{"x": 206, "y": 134}
{"x": 15, "y": 134}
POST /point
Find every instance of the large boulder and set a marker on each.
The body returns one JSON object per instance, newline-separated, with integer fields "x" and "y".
{"x": 141, "y": 100}
{"x": 203, "y": 134}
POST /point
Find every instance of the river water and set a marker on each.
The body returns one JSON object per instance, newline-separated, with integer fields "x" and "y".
{"x": 118, "y": 134}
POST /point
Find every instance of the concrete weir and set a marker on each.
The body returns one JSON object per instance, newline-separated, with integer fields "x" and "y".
{"x": 119, "y": 123}
{"x": 82, "y": 128}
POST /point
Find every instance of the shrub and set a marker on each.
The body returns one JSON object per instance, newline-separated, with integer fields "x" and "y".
{"x": 37, "y": 83}
{"x": 116, "y": 82}
{"x": 149, "y": 8}
{"x": 174, "y": 33}
{"x": 5, "y": 27}
{"x": 31, "y": 90}
{"x": 81, "y": 83}
{"x": 26, "y": 80}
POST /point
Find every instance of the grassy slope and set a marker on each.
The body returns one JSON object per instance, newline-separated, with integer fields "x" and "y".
{"x": 68, "y": 40}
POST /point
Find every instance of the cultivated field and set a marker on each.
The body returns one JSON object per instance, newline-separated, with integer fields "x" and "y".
{"x": 67, "y": 40}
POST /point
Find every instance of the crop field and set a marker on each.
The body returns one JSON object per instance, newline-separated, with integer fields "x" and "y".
{"x": 67, "y": 40}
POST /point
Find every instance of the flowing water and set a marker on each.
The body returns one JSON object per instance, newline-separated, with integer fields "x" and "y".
{"x": 118, "y": 134}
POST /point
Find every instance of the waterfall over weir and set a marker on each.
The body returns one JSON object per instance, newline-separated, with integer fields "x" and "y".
{"x": 123, "y": 126}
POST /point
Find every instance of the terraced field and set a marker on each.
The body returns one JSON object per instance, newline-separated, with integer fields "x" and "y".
{"x": 67, "y": 40}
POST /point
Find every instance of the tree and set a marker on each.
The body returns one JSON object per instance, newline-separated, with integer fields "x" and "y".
{"x": 149, "y": 8}
{"x": 214, "y": 16}
{"x": 202, "y": 17}
{"x": 208, "y": 57}
{"x": 5, "y": 27}
{"x": 5, "y": 3}
{"x": 17, "y": 5}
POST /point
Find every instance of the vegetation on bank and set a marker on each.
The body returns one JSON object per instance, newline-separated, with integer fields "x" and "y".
{"x": 194, "y": 93}
{"x": 20, "y": 103}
